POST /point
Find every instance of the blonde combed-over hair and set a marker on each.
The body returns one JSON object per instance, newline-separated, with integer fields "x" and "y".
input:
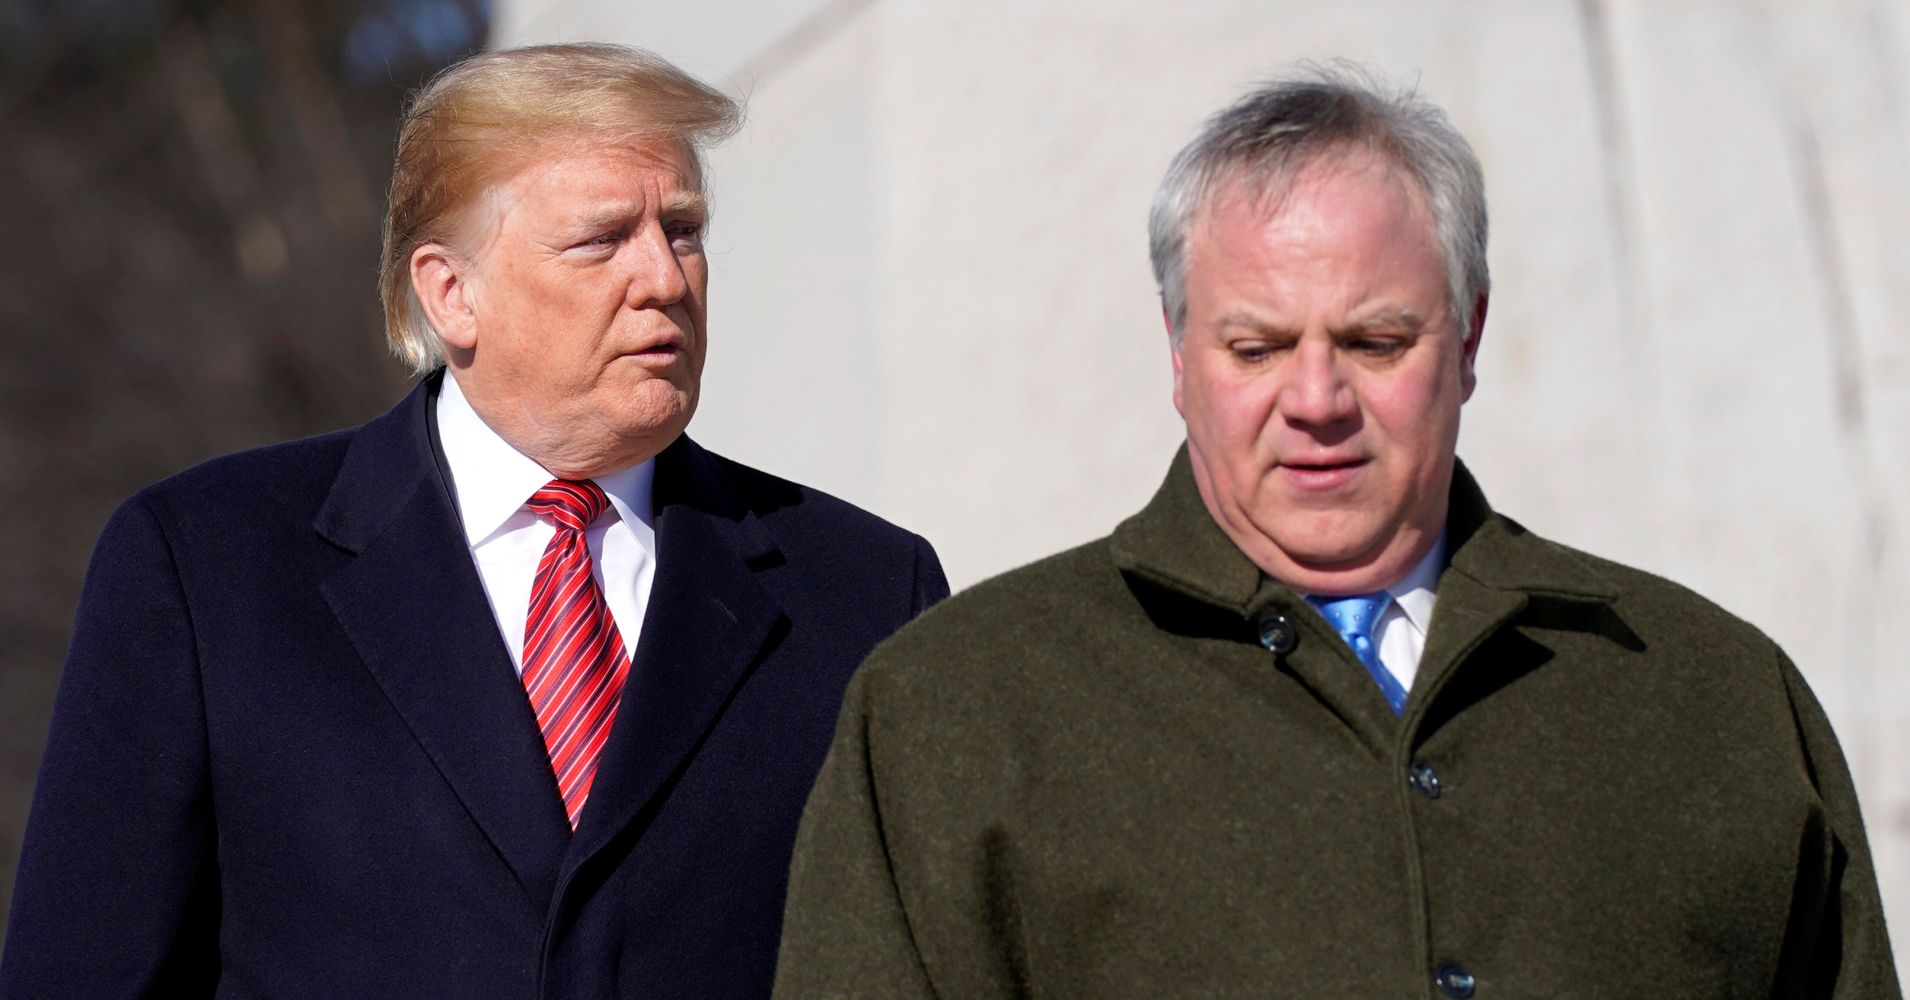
{"x": 479, "y": 121}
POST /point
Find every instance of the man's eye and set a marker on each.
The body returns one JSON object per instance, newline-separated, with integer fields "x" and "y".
{"x": 603, "y": 240}
{"x": 1376, "y": 347}
{"x": 685, "y": 232}
{"x": 1251, "y": 350}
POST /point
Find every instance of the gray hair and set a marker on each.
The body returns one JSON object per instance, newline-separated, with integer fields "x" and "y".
{"x": 1265, "y": 139}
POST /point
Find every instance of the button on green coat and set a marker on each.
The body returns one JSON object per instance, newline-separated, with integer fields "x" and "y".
{"x": 1090, "y": 778}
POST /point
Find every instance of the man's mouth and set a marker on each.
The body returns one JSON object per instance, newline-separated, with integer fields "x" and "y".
{"x": 1325, "y": 466}
{"x": 661, "y": 348}
{"x": 1321, "y": 474}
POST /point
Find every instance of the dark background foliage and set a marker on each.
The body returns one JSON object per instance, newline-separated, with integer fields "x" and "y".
{"x": 190, "y": 196}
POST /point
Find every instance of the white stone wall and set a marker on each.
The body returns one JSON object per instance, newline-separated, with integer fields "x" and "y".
{"x": 931, "y": 293}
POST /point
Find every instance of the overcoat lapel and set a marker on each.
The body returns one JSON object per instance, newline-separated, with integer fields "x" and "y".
{"x": 414, "y": 608}
{"x": 1495, "y": 573}
{"x": 1469, "y": 610}
{"x": 708, "y": 620}
{"x": 1173, "y": 543}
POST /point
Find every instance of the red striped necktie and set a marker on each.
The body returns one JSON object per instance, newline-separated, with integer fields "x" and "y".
{"x": 574, "y": 660}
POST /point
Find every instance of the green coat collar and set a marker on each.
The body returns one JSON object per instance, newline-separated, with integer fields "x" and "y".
{"x": 1495, "y": 571}
{"x": 1174, "y": 542}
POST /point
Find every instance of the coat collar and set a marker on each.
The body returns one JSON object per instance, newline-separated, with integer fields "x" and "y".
{"x": 1499, "y": 553}
{"x": 1175, "y": 543}
{"x": 1495, "y": 570}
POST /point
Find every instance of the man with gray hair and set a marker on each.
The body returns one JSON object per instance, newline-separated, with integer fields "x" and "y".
{"x": 1317, "y": 721}
{"x": 514, "y": 691}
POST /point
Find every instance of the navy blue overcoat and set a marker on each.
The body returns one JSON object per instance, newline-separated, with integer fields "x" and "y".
{"x": 289, "y": 756}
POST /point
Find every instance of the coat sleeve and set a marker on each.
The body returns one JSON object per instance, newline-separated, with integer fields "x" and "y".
{"x": 846, "y": 932}
{"x": 117, "y": 892}
{"x": 1848, "y": 954}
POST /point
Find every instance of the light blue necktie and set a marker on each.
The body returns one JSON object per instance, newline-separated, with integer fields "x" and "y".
{"x": 1353, "y": 618}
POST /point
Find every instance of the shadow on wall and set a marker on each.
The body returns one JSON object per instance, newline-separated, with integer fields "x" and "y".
{"x": 191, "y": 256}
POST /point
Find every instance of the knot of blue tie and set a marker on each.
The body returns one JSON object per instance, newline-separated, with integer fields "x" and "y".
{"x": 1354, "y": 619}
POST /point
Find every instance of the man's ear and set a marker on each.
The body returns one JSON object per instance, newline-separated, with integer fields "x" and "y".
{"x": 1469, "y": 351}
{"x": 441, "y": 278}
{"x": 1173, "y": 347}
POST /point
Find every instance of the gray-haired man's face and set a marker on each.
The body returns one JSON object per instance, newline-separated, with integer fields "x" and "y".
{"x": 1320, "y": 374}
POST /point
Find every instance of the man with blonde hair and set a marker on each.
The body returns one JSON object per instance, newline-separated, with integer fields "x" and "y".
{"x": 514, "y": 691}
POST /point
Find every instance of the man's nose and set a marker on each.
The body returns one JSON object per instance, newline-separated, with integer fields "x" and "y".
{"x": 656, "y": 277}
{"x": 1316, "y": 391}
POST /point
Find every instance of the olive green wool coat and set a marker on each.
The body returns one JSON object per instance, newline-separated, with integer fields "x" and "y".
{"x": 1090, "y": 778}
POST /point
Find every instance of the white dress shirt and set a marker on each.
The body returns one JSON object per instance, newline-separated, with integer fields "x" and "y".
{"x": 493, "y": 480}
{"x": 1402, "y": 629}
{"x": 1401, "y": 632}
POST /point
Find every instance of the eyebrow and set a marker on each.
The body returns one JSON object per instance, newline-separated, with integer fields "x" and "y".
{"x": 686, "y": 201}
{"x": 1398, "y": 319}
{"x": 1394, "y": 319}
{"x": 1251, "y": 322}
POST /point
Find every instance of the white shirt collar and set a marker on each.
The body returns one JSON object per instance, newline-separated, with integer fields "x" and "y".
{"x": 1415, "y": 593}
{"x": 494, "y": 479}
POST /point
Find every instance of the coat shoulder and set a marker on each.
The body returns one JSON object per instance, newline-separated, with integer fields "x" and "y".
{"x": 1692, "y": 649}
{"x": 796, "y": 512}
{"x": 1012, "y": 635}
{"x": 1658, "y": 607}
{"x": 291, "y": 477}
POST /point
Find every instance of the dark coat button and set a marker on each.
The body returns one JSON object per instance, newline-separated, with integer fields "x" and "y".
{"x": 1423, "y": 780}
{"x": 1454, "y": 981}
{"x": 1278, "y": 634}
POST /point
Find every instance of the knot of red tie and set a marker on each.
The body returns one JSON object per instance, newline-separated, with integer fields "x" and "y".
{"x": 569, "y": 503}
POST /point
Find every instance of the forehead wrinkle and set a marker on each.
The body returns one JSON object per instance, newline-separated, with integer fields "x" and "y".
{"x": 618, "y": 210}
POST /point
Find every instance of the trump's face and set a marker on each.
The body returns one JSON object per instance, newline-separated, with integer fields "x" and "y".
{"x": 1320, "y": 373}
{"x": 576, "y": 327}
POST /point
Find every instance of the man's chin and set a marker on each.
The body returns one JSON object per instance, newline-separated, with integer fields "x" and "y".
{"x": 1327, "y": 562}
{"x": 657, "y": 402}
{"x": 1307, "y": 561}
{"x": 1328, "y": 538}
{"x": 657, "y": 429}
